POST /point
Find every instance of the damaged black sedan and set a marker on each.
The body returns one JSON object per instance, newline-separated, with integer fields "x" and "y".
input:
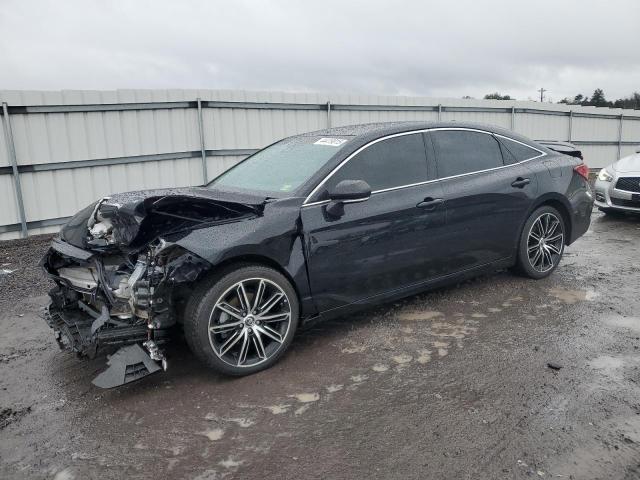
{"x": 314, "y": 226}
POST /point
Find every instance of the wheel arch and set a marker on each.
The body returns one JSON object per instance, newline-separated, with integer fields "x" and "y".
{"x": 558, "y": 202}
{"x": 262, "y": 260}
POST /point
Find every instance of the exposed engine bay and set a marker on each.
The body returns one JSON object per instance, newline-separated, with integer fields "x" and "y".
{"x": 121, "y": 282}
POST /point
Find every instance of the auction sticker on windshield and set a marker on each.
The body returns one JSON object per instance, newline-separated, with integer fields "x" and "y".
{"x": 331, "y": 142}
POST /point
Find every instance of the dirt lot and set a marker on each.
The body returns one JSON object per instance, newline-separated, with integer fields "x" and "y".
{"x": 448, "y": 384}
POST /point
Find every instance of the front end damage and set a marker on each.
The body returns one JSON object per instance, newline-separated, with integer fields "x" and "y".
{"x": 122, "y": 282}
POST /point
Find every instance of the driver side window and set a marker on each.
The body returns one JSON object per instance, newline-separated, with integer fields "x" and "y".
{"x": 390, "y": 163}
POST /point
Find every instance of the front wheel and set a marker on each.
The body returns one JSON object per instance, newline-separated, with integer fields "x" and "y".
{"x": 541, "y": 243}
{"x": 242, "y": 320}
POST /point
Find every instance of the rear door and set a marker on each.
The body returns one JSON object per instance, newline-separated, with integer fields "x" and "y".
{"x": 390, "y": 241}
{"x": 486, "y": 198}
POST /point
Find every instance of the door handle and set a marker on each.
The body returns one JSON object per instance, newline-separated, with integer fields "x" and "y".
{"x": 430, "y": 203}
{"x": 521, "y": 182}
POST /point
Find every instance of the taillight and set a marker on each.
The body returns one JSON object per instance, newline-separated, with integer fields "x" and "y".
{"x": 582, "y": 170}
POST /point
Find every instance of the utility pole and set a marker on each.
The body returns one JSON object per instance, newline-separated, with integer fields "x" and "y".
{"x": 542, "y": 90}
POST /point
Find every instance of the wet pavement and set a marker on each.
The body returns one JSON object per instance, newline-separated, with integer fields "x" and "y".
{"x": 448, "y": 384}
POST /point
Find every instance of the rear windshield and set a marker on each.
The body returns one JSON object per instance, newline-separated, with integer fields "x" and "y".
{"x": 283, "y": 167}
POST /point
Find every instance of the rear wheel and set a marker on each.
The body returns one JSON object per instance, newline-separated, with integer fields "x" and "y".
{"x": 242, "y": 320}
{"x": 541, "y": 243}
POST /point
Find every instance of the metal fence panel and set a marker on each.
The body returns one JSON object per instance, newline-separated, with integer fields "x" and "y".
{"x": 631, "y": 130}
{"x": 626, "y": 150}
{"x": 4, "y": 152}
{"x": 595, "y": 129}
{"x": 241, "y": 128}
{"x": 600, "y": 155}
{"x": 349, "y": 117}
{"x": 219, "y": 164}
{"x": 543, "y": 127}
{"x": 8, "y": 210}
{"x": 137, "y": 139}
{"x": 500, "y": 119}
{"x": 51, "y": 137}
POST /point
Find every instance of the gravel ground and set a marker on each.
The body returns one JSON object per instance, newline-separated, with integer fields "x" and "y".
{"x": 453, "y": 383}
{"x": 26, "y": 280}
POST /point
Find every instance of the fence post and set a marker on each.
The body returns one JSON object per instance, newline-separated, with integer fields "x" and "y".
{"x": 203, "y": 152}
{"x": 439, "y": 111}
{"x": 513, "y": 118}
{"x": 570, "y": 125}
{"x": 620, "y": 135}
{"x": 328, "y": 113}
{"x": 11, "y": 151}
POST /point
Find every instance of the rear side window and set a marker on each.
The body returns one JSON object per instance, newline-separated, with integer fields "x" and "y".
{"x": 461, "y": 151}
{"x": 515, "y": 152}
{"x": 390, "y": 163}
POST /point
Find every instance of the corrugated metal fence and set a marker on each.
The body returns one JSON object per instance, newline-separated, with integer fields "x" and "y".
{"x": 62, "y": 150}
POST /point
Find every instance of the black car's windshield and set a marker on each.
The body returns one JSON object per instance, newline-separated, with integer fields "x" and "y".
{"x": 283, "y": 167}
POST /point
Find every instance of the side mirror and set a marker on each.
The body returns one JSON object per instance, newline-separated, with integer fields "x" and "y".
{"x": 347, "y": 191}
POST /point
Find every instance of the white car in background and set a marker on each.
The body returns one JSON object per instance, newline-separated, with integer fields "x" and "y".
{"x": 617, "y": 187}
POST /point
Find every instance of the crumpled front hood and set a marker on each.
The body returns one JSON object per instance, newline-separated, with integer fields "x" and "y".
{"x": 135, "y": 197}
{"x": 138, "y": 217}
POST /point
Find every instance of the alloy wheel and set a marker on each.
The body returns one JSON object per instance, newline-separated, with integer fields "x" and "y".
{"x": 545, "y": 242}
{"x": 249, "y": 322}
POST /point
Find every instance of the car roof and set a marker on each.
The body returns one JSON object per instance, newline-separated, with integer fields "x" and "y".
{"x": 369, "y": 131}
{"x": 362, "y": 134}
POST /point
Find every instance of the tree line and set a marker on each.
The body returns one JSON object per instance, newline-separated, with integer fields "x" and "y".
{"x": 597, "y": 99}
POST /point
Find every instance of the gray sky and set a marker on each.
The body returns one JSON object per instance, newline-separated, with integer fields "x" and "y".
{"x": 445, "y": 49}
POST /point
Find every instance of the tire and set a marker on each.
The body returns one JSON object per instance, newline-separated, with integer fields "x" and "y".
{"x": 540, "y": 262}
{"x": 217, "y": 303}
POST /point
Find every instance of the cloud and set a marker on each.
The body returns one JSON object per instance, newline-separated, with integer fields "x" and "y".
{"x": 379, "y": 47}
